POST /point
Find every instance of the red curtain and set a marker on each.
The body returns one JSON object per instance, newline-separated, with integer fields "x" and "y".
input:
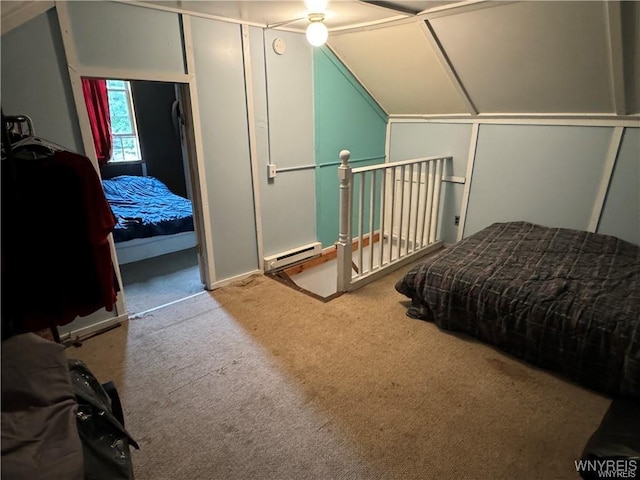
{"x": 97, "y": 101}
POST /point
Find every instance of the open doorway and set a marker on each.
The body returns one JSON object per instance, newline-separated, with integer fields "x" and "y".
{"x": 147, "y": 181}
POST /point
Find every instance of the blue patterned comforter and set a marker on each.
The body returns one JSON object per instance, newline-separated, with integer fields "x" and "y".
{"x": 145, "y": 207}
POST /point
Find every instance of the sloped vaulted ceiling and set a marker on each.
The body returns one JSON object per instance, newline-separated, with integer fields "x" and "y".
{"x": 527, "y": 57}
{"x": 532, "y": 56}
{"x": 400, "y": 69}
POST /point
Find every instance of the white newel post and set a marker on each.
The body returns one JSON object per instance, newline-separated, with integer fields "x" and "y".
{"x": 343, "y": 245}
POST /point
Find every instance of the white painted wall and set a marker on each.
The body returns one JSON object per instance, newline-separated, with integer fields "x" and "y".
{"x": 118, "y": 36}
{"x": 223, "y": 118}
{"x": 541, "y": 174}
{"x": 35, "y": 81}
{"x": 283, "y": 97}
{"x": 621, "y": 212}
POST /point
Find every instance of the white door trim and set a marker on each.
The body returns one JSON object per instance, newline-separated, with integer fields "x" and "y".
{"x": 187, "y": 81}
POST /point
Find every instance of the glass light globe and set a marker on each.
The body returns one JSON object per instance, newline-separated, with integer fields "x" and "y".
{"x": 317, "y": 33}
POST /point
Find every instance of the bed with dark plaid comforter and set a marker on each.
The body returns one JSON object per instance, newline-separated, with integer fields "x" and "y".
{"x": 561, "y": 299}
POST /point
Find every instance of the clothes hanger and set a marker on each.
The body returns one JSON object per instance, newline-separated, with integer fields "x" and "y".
{"x": 33, "y": 140}
{"x": 33, "y": 147}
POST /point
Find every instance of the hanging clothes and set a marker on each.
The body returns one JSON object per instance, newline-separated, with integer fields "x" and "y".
{"x": 56, "y": 259}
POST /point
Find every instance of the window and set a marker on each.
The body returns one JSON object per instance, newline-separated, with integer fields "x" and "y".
{"x": 126, "y": 146}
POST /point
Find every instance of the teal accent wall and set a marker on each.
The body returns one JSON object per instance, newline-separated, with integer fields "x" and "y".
{"x": 346, "y": 117}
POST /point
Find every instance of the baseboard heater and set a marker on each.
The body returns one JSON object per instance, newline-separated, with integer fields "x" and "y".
{"x": 295, "y": 255}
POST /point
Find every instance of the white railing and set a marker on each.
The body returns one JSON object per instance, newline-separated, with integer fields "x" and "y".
{"x": 393, "y": 209}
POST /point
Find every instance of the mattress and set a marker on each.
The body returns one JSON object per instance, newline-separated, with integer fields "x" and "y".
{"x": 145, "y": 207}
{"x": 562, "y": 299}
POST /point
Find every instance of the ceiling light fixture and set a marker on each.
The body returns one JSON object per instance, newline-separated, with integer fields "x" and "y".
{"x": 317, "y": 32}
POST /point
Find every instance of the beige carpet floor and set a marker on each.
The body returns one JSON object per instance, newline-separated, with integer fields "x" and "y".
{"x": 259, "y": 381}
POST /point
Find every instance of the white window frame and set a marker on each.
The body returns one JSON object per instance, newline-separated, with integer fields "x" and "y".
{"x": 134, "y": 125}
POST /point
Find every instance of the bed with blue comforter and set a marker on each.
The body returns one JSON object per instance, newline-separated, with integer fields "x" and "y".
{"x": 145, "y": 207}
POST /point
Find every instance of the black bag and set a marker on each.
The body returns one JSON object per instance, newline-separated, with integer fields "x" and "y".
{"x": 100, "y": 422}
{"x": 614, "y": 448}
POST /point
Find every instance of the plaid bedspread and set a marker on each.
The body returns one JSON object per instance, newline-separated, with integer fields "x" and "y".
{"x": 561, "y": 299}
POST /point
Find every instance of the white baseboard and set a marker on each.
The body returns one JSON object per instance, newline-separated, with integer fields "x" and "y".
{"x": 237, "y": 278}
{"x": 95, "y": 327}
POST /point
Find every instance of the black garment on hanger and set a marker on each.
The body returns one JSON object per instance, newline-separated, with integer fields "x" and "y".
{"x": 55, "y": 253}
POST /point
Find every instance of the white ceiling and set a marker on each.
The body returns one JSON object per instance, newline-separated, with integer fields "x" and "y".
{"x": 286, "y": 14}
{"x": 289, "y": 14}
{"x": 15, "y": 13}
{"x": 8, "y": 8}
{"x": 532, "y": 56}
{"x": 338, "y": 14}
{"x": 412, "y": 80}
{"x": 412, "y": 6}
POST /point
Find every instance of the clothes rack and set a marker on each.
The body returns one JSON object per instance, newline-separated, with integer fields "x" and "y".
{"x": 57, "y": 224}
{"x": 12, "y": 131}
